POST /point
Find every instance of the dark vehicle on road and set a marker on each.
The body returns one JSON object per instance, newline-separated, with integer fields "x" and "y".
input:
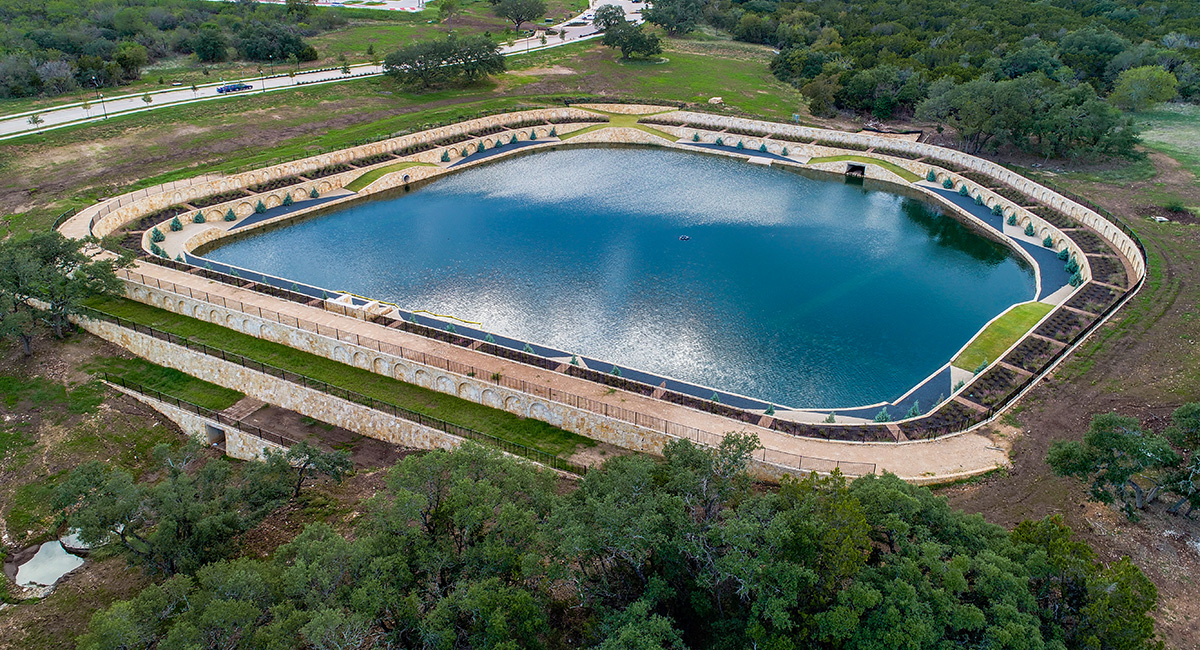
{"x": 233, "y": 88}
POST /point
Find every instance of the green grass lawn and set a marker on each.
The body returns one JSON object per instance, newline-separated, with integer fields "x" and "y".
{"x": 167, "y": 380}
{"x": 375, "y": 174}
{"x": 501, "y": 424}
{"x": 895, "y": 169}
{"x": 1001, "y": 334}
{"x": 1173, "y": 129}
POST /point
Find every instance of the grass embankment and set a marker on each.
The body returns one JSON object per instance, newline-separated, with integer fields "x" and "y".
{"x": 501, "y": 424}
{"x": 891, "y": 167}
{"x": 1001, "y": 334}
{"x": 168, "y": 381}
{"x": 620, "y": 120}
{"x": 375, "y": 174}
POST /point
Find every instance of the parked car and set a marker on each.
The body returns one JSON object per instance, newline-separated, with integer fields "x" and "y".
{"x": 233, "y": 88}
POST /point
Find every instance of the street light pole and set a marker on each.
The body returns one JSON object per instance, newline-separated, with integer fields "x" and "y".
{"x": 262, "y": 80}
{"x": 100, "y": 96}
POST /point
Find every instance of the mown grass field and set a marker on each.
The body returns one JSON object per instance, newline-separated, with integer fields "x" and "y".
{"x": 167, "y": 380}
{"x": 501, "y": 424}
{"x": 1001, "y": 334}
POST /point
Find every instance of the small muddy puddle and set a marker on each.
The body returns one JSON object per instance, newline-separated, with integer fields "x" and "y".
{"x": 50, "y": 563}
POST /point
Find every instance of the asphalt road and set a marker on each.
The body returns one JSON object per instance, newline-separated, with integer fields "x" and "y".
{"x": 115, "y": 103}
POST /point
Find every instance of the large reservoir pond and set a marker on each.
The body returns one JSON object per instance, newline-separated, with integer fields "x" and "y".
{"x": 807, "y": 292}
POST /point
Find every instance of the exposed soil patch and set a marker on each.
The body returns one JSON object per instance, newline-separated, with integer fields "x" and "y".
{"x": 364, "y": 452}
{"x": 1179, "y": 216}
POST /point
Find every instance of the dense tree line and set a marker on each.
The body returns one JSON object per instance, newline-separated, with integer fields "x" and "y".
{"x": 471, "y": 549}
{"x": 457, "y": 59}
{"x": 54, "y": 46}
{"x": 884, "y": 58}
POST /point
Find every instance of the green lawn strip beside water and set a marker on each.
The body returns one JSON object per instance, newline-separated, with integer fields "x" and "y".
{"x": 619, "y": 120}
{"x": 501, "y": 424}
{"x": 167, "y": 380}
{"x": 895, "y": 169}
{"x": 1001, "y": 334}
{"x": 375, "y": 174}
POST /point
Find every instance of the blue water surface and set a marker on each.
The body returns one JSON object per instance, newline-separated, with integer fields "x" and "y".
{"x": 807, "y": 292}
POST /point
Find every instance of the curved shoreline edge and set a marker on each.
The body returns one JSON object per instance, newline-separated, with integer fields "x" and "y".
{"x": 435, "y": 151}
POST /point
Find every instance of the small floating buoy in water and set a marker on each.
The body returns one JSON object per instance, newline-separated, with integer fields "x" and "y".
{"x": 684, "y": 238}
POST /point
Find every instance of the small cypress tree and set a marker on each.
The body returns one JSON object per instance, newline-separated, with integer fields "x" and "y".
{"x": 176, "y": 225}
{"x": 831, "y": 419}
{"x": 1012, "y": 219}
{"x": 489, "y": 338}
{"x": 948, "y": 183}
{"x": 695, "y": 137}
{"x": 941, "y": 398}
{"x": 532, "y": 134}
{"x": 963, "y": 191}
{"x": 446, "y": 156}
{"x": 178, "y": 258}
{"x": 997, "y": 209}
{"x": 155, "y": 249}
{"x": 528, "y": 349}
{"x": 450, "y": 328}
{"x": 1072, "y": 266}
{"x": 1029, "y": 231}
{"x": 198, "y": 217}
{"x": 931, "y": 176}
{"x": 616, "y": 371}
{"x": 720, "y": 142}
{"x": 229, "y": 215}
{"x": 260, "y": 208}
{"x": 883, "y": 415}
{"x": 554, "y": 131}
{"x": 981, "y": 367}
{"x": 958, "y": 385}
{"x": 978, "y": 199}
{"x": 482, "y": 146}
{"x": 574, "y": 360}
{"x": 1076, "y": 279}
{"x": 1048, "y": 242}
{"x": 287, "y": 198}
{"x": 740, "y": 145}
{"x": 1064, "y": 254}
{"x": 915, "y": 411}
{"x": 763, "y": 148}
{"x": 715, "y": 397}
{"x": 157, "y": 235}
{"x": 770, "y": 410}
{"x": 784, "y": 152}
{"x": 313, "y": 193}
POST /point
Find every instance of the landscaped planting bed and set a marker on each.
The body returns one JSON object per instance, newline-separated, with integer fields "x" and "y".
{"x": 1093, "y": 297}
{"x": 414, "y": 149}
{"x": 1063, "y": 325}
{"x": 367, "y": 161}
{"x": 1108, "y": 269}
{"x": 1054, "y": 217}
{"x": 947, "y": 417}
{"x": 750, "y": 132}
{"x": 790, "y": 138}
{"x": 213, "y": 199}
{"x": 993, "y": 387}
{"x": 1089, "y": 241}
{"x": 328, "y": 170}
{"x": 1032, "y": 354}
{"x": 897, "y": 153}
{"x": 154, "y": 218}
{"x": 275, "y": 184}
{"x": 980, "y": 178}
{"x": 479, "y": 133}
{"x": 454, "y": 139}
{"x": 950, "y": 166}
{"x": 843, "y": 145}
{"x": 596, "y": 119}
{"x": 1014, "y": 196}
{"x": 525, "y": 124}
{"x": 663, "y": 121}
{"x": 865, "y": 433}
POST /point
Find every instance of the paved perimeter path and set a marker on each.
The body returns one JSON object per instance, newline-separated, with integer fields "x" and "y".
{"x": 929, "y": 461}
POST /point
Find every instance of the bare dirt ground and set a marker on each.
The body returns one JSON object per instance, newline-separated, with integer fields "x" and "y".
{"x": 1144, "y": 363}
{"x": 364, "y": 452}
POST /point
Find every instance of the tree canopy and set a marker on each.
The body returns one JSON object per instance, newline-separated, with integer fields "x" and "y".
{"x": 454, "y": 60}
{"x": 472, "y": 549}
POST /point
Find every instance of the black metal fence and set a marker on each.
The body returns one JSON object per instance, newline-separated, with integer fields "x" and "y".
{"x": 216, "y": 416}
{"x": 400, "y": 412}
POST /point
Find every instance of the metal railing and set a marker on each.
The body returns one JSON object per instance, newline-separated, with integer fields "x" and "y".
{"x": 216, "y": 416}
{"x": 305, "y": 381}
{"x": 637, "y": 418}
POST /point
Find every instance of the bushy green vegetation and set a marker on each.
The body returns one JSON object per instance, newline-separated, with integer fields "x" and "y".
{"x": 461, "y": 60}
{"x": 469, "y": 549}
{"x": 1130, "y": 466}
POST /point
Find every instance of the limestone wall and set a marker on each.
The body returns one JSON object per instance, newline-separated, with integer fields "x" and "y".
{"x": 238, "y": 444}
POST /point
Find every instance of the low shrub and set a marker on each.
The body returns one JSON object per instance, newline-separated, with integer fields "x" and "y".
{"x": 287, "y": 198}
{"x": 882, "y": 415}
{"x": 1076, "y": 279}
{"x": 230, "y": 216}
{"x": 157, "y": 235}
{"x": 931, "y": 176}
{"x": 997, "y": 209}
{"x": 740, "y": 145}
{"x": 963, "y": 191}
{"x": 1064, "y": 254}
{"x": 260, "y": 207}
{"x": 1072, "y": 266}
{"x": 763, "y": 148}
{"x": 1012, "y": 219}
{"x": 784, "y": 152}
{"x": 1048, "y": 242}
{"x": 695, "y": 137}
{"x": 948, "y": 183}
{"x": 446, "y": 156}
{"x": 176, "y": 225}
{"x": 720, "y": 142}
{"x": 313, "y": 193}
{"x": 198, "y": 217}
{"x": 978, "y": 199}
{"x": 1029, "y": 231}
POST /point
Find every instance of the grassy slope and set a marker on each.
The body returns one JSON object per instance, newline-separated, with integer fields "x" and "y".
{"x": 1001, "y": 334}
{"x": 375, "y": 174}
{"x": 504, "y": 425}
{"x": 168, "y": 381}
